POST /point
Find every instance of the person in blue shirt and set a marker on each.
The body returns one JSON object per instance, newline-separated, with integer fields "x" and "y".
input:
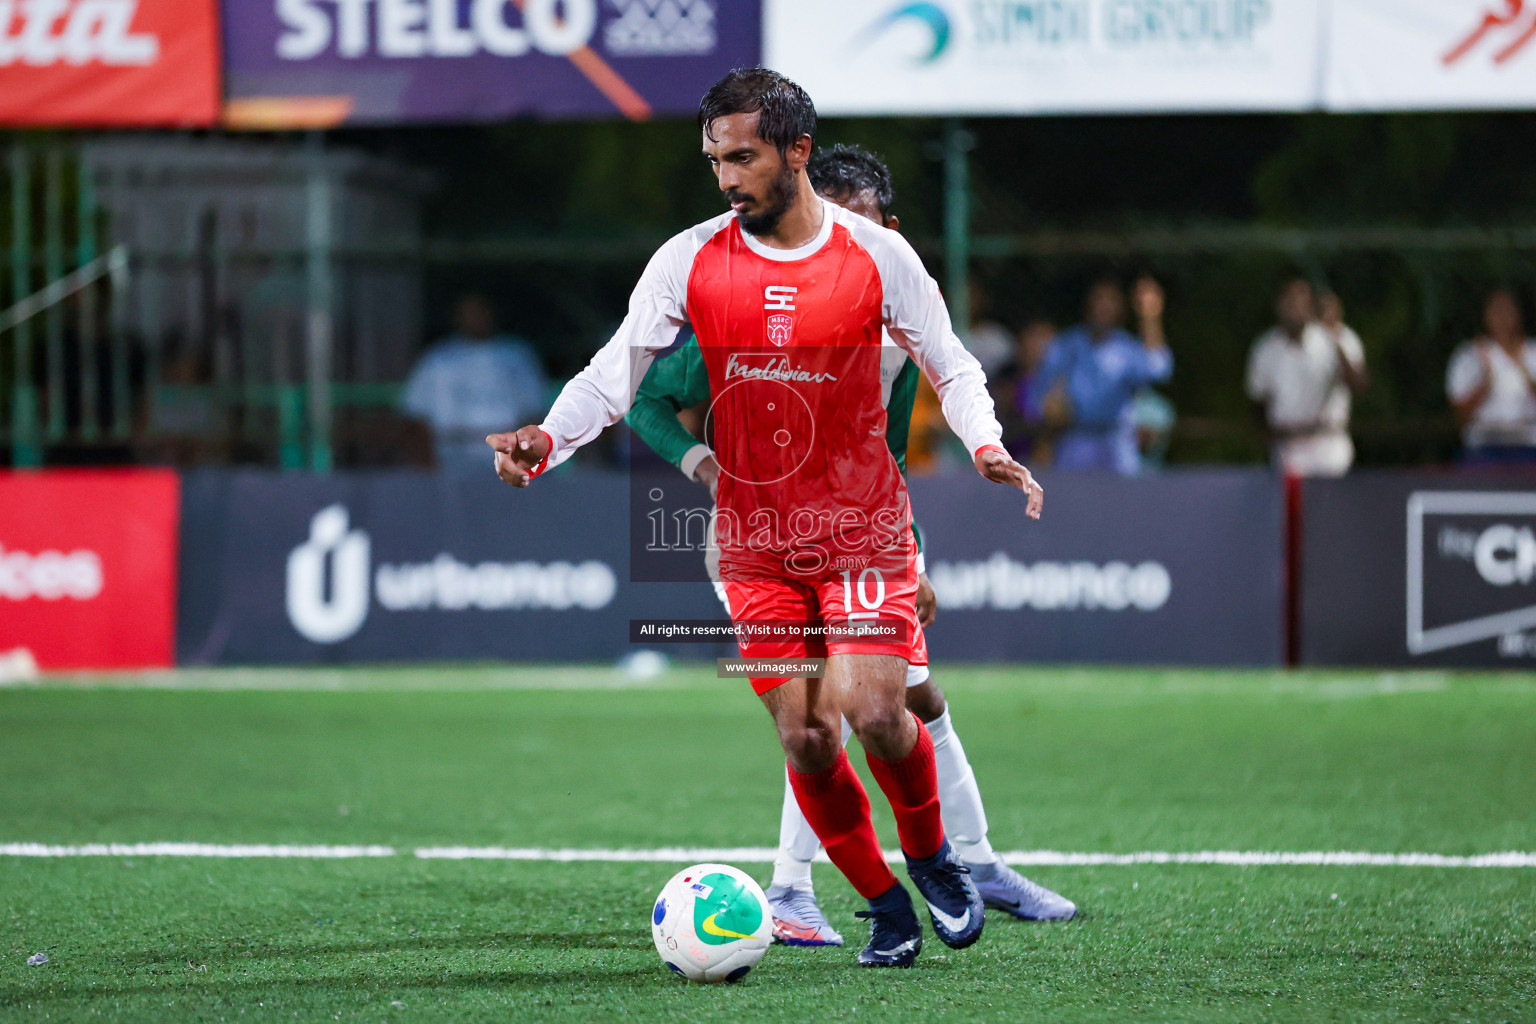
{"x": 472, "y": 383}
{"x": 1093, "y": 372}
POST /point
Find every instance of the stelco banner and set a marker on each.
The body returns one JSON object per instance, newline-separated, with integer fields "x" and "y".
{"x": 1043, "y": 56}
{"x": 320, "y": 62}
{"x": 88, "y": 567}
{"x": 108, "y": 63}
{"x": 1419, "y": 570}
{"x": 1182, "y": 568}
{"x": 412, "y": 567}
{"x": 1427, "y": 54}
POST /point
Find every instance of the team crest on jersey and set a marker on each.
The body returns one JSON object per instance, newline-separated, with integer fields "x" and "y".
{"x": 781, "y": 326}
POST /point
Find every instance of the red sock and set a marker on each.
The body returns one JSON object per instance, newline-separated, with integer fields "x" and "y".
{"x": 835, "y": 804}
{"x": 912, "y": 786}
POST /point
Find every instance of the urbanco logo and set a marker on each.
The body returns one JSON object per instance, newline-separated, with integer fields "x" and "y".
{"x": 332, "y": 584}
{"x": 318, "y": 616}
{"x": 1002, "y": 584}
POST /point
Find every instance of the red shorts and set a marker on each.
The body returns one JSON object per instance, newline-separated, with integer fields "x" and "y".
{"x": 845, "y": 600}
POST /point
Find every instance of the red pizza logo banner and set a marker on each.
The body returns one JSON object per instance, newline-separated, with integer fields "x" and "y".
{"x": 88, "y": 567}
{"x": 108, "y": 62}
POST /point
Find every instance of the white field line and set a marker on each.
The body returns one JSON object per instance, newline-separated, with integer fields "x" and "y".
{"x": 237, "y": 850}
{"x": 1036, "y": 858}
{"x": 765, "y": 854}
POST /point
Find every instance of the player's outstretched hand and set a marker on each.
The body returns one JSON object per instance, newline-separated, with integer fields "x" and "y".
{"x": 518, "y": 454}
{"x": 999, "y": 467}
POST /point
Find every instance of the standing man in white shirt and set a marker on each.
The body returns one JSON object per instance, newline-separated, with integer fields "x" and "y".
{"x": 1301, "y": 373}
{"x": 473, "y": 381}
{"x": 1491, "y": 382}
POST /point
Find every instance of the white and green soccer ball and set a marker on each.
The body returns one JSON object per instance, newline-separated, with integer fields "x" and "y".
{"x": 711, "y": 923}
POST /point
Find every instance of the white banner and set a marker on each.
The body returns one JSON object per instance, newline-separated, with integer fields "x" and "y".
{"x": 1431, "y": 54}
{"x": 1049, "y": 56}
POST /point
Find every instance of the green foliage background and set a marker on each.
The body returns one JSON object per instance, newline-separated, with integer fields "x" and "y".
{"x": 1113, "y": 175}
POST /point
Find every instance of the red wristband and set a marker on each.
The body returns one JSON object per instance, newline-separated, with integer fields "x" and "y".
{"x": 544, "y": 462}
{"x": 990, "y": 448}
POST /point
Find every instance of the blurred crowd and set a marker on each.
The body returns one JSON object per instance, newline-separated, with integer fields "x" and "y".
{"x": 1086, "y": 398}
{"x": 1080, "y": 398}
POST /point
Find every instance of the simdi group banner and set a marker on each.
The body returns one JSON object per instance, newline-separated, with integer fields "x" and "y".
{"x": 322, "y": 62}
{"x": 109, "y": 63}
{"x": 1048, "y": 56}
{"x": 1107, "y": 56}
{"x": 88, "y": 567}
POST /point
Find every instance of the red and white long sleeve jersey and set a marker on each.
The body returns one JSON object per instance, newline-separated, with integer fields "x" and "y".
{"x": 791, "y": 341}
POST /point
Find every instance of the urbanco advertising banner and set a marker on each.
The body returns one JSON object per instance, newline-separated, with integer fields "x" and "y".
{"x": 1180, "y": 568}
{"x": 1428, "y": 54}
{"x": 322, "y": 62}
{"x": 109, "y": 63}
{"x": 1401, "y": 569}
{"x": 361, "y": 567}
{"x": 88, "y": 567}
{"x": 1047, "y": 56}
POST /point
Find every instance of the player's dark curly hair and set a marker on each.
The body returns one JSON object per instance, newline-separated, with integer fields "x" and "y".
{"x": 787, "y": 112}
{"x": 844, "y": 171}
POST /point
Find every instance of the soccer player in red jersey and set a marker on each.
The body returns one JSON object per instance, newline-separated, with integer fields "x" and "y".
{"x": 788, "y": 295}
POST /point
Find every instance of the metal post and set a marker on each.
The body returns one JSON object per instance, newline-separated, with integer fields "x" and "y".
{"x": 131, "y": 186}
{"x": 25, "y": 448}
{"x": 958, "y": 144}
{"x": 53, "y": 269}
{"x": 85, "y": 252}
{"x": 122, "y": 421}
{"x": 320, "y": 319}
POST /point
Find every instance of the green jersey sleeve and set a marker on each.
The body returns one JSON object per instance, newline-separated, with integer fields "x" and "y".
{"x": 898, "y": 424}
{"x": 898, "y": 413}
{"x": 675, "y": 381}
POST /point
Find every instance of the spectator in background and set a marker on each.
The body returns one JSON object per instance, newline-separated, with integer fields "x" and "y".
{"x": 989, "y": 341}
{"x": 1491, "y": 382}
{"x": 1302, "y": 373}
{"x": 1154, "y": 416}
{"x": 1017, "y": 396}
{"x": 473, "y": 383}
{"x": 1092, "y": 373}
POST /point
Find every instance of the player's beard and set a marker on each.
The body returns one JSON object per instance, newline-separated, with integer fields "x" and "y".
{"x": 781, "y": 194}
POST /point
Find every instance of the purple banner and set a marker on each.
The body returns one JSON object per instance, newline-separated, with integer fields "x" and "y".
{"x": 313, "y": 63}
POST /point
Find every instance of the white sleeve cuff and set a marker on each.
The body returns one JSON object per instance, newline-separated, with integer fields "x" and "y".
{"x": 691, "y": 459}
{"x": 922, "y": 566}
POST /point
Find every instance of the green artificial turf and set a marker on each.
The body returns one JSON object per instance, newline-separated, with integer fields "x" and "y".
{"x": 1079, "y": 760}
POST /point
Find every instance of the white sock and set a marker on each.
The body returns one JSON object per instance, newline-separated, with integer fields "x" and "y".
{"x": 797, "y": 841}
{"x": 965, "y": 820}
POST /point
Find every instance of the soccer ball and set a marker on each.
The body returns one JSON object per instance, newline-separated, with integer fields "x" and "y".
{"x": 711, "y": 923}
